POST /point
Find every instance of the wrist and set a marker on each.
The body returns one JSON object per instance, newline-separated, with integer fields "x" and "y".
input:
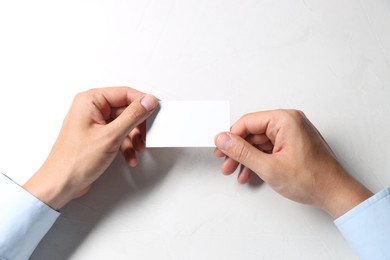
{"x": 50, "y": 189}
{"x": 344, "y": 194}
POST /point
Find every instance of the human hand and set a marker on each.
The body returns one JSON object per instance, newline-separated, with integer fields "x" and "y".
{"x": 99, "y": 123}
{"x": 286, "y": 151}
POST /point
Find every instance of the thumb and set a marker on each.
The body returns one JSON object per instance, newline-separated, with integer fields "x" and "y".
{"x": 241, "y": 151}
{"x": 137, "y": 112}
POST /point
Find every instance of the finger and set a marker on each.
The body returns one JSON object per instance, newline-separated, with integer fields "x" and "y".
{"x": 218, "y": 153}
{"x": 257, "y": 139}
{"x": 243, "y": 152}
{"x": 137, "y": 138}
{"x": 107, "y": 98}
{"x": 267, "y": 147}
{"x": 258, "y": 123}
{"x": 119, "y": 96}
{"x": 229, "y": 166}
{"x": 137, "y": 135}
{"x": 244, "y": 175}
{"x": 133, "y": 115}
{"x": 128, "y": 152}
{"x": 116, "y": 111}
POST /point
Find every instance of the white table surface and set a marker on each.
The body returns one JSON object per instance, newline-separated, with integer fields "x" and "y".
{"x": 330, "y": 59}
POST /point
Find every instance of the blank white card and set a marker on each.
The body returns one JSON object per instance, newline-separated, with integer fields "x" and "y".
{"x": 187, "y": 123}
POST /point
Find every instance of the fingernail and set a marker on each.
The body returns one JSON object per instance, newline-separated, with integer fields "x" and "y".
{"x": 149, "y": 102}
{"x": 223, "y": 141}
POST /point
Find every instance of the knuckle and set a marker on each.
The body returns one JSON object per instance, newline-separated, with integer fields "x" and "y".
{"x": 297, "y": 114}
{"x": 79, "y": 95}
{"x": 298, "y": 117}
{"x": 90, "y": 93}
{"x": 243, "y": 117}
{"x": 291, "y": 116}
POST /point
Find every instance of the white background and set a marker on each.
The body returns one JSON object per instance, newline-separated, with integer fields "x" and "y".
{"x": 330, "y": 59}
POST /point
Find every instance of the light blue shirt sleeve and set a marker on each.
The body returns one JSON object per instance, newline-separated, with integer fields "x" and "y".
{"x": 367, "y": 227}
{"x": 24, "y": 220}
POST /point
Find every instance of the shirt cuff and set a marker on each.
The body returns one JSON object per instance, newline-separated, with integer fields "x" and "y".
{"x": 366, "y": 227}
{"x": 24, "y": 220}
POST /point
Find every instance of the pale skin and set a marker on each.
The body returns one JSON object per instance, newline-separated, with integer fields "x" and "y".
{"x": 99, "y": 124}
{"x": 288, "y": 153}
{"x": 282, "y": 147}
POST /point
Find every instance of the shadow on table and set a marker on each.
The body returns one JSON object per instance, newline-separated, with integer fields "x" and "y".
{"x": 119, "y": 183}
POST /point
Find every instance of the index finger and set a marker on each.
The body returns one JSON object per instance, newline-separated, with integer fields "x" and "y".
{"x": 257, "y": 123}
{"x": 119, "y": 96}
{"x": 110, "y": 98}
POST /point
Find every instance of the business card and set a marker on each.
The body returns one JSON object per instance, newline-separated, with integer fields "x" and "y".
{"x": 187, "y": 123}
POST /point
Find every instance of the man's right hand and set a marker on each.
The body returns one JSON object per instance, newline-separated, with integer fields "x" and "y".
{"x": 286, "y": 151}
